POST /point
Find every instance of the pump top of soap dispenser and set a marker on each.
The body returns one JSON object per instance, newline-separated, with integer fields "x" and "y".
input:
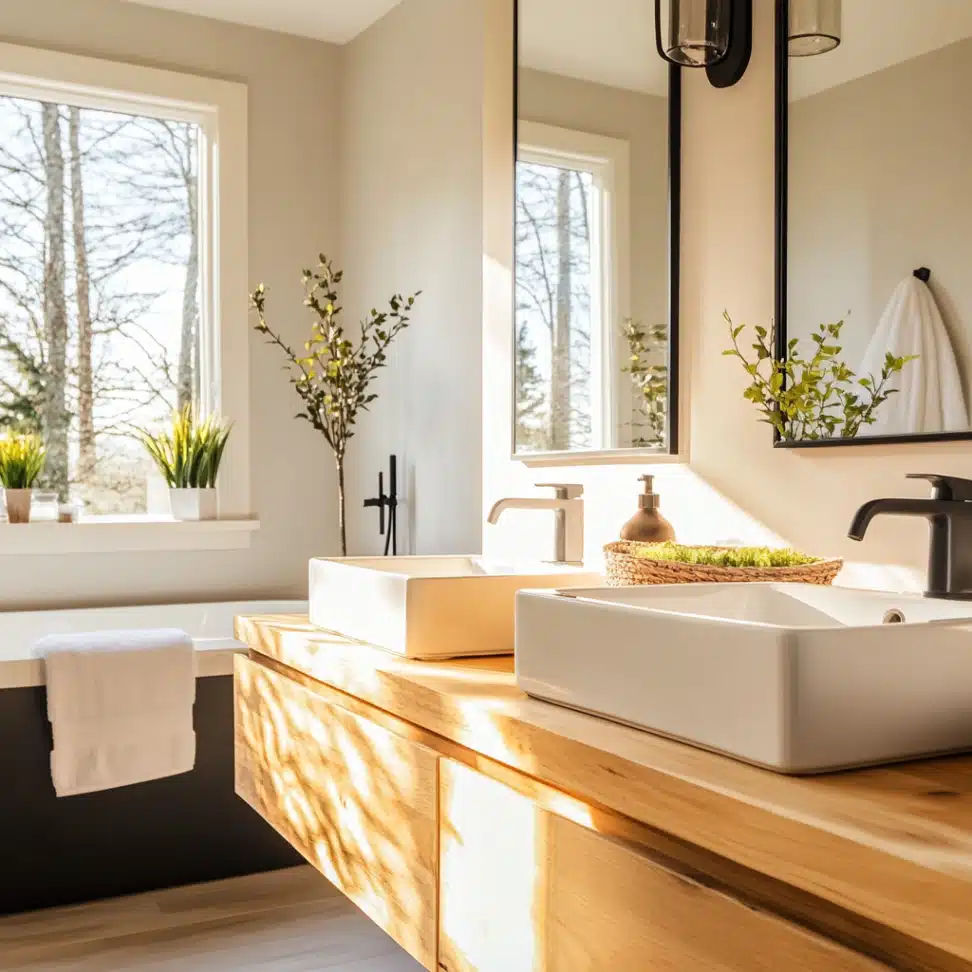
{"x": 648, "y": 500}
{"x": 648, "y": 525}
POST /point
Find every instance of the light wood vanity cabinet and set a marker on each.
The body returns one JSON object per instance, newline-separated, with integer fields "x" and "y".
{"x": 524, "y": 890}
{"x": 475, "y": 866}
{"x": 358, "y": 801}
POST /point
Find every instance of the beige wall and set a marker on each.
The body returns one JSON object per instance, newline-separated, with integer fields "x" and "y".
{"x": 293, "y": 202}
{"x": 641, "y": 120}
{"x": 879, "y": 178}
{"x": 735, "y": 485}
{"x": 411, "y": 143}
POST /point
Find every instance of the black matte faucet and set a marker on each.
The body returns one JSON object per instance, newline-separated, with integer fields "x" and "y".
{"x": 949, "y": 513}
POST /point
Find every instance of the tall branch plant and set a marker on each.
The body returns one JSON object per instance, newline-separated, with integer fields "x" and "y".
{"x": 334, "y": 374}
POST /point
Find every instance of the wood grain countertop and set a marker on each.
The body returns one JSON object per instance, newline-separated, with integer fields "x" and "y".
{"x": 891, "y": 846}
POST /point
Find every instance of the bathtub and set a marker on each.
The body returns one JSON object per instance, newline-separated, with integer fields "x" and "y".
{"x": 165, "y": 833}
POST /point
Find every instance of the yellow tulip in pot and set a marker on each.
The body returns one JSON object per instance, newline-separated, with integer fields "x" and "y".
{"x": 188, "y": 456}
{"x": 22, "y": 460}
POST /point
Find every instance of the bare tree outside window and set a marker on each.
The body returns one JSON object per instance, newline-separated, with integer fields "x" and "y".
{"x": 99, "y": 289}
{"x": 554, "y": 288}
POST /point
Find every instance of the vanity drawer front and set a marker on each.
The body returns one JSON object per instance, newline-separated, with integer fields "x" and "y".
{"x": 525, "y": 890}
{"x": 359, "y": 802}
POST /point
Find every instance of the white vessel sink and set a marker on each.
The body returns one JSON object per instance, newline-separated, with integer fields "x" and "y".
{"x": 796, "y": 678}
{"x": 429, "y": 607}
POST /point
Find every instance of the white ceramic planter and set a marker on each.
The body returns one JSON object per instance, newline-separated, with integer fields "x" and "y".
{"x": 193, "y": 504}
{"x": 18, "y": 505}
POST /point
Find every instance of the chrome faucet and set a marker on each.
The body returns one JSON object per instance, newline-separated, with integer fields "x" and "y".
{"x": 568, "y": 508}
{"x": 949, "y": 513}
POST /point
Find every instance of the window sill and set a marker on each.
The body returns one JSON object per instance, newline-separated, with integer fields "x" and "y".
{"x": 124, "y": 535}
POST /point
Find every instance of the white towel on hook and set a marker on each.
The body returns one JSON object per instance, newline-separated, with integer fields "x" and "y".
{"x": 929, "y": 395}
{"x": 120, "y": 705}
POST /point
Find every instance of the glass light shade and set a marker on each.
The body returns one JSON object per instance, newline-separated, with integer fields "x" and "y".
{"x": 815, "y": 27}
{"x": 695, "y": 33}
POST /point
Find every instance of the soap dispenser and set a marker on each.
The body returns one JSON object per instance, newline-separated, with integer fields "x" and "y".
{"x": 648, "y": 525}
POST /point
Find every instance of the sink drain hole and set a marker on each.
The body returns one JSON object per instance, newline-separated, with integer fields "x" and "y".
{"x": 894, "y": 616}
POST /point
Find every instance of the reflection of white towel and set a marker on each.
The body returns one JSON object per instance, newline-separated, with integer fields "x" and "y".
{"x": 120, "y": 704}
{"x": 930, "y": 396}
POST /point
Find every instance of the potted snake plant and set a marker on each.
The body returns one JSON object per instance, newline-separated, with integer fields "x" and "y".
{"x": 22, "y": 460}
{"x": 188, "y": 455}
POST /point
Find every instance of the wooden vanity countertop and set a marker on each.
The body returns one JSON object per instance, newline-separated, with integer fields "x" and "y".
{"x": 891, "y": 846}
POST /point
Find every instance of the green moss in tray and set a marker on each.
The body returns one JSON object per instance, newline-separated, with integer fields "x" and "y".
{"x": 724, "y": 557}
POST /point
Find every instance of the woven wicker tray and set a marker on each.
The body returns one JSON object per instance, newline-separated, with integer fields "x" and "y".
{"x": 624, "y": 569}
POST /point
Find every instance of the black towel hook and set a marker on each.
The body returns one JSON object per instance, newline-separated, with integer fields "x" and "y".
{"x": 923, "y": 274}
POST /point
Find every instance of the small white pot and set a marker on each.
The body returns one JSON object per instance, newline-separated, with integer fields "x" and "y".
{"x": 193, "y": 504}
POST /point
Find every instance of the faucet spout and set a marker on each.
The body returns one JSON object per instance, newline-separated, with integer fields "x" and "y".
{"x": 497, "y": 511}
{"x": 568, "y": 508}
{"x": 949, "y": 516}
{"x": 895, "y": 507}
{"x": 530, "y": 503}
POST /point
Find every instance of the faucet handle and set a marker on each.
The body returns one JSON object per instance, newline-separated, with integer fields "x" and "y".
{"x": 949, "y": 488}
{"x": 570, "y": 491}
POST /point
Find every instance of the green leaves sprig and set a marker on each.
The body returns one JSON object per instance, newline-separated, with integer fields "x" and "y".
{"x": 188, "y": 455}
{"x": 650, "y": 379}
{"x": 333, "y": 375}
{"x": 815, "y": 397}
{"x": 22, "y": 459}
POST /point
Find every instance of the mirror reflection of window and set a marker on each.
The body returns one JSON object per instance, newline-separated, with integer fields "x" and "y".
{"x": 561, "y": 265}
{"x": 593, "y": 269}
{"x": 553, "y": 310}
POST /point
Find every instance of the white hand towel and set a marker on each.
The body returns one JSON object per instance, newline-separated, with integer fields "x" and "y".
{"x": 120, "y": 704}
{"x": 930, "y": 397}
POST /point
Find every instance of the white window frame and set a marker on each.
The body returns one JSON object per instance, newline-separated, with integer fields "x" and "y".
{"x": 220, "y": 109}
{"x": 608, "y": 161}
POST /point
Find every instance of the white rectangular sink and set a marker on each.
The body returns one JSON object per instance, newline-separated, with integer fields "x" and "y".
{"x": 429, "y": 607}
{"x": 793, "y": 677}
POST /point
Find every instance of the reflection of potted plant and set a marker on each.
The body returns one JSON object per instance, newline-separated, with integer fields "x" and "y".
{"x": 334, "y": 375}
{"x": 817, "y": 397}
{"x": 188, "y": 456}
{"x": 22, "y": 459}
{"x": 649, "y": 376}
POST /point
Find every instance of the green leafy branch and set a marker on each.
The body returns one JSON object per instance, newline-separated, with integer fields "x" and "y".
{"x": 649, "y": 379}
{"x": 334, "y": 374}
{"x": 815, "y": 397}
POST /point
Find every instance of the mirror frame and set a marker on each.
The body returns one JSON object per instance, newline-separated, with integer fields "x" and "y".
{"x": 607, "y": 456}
{"x": 782, "y": 248}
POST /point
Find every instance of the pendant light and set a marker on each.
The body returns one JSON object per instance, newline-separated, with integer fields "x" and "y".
{"x": 695, "y": 32}
{"x": 815, "y": 27}
{"x": 712, "y": 34}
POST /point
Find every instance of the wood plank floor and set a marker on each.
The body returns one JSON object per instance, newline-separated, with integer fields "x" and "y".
{"x": 286, "y": 921}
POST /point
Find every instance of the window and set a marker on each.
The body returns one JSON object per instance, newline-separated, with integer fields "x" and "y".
{"x": 122, "y": 268}
{"x": 570, "y": 287}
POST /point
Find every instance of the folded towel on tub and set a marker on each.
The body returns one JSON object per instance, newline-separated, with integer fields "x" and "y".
{"x": 120, "y": 705}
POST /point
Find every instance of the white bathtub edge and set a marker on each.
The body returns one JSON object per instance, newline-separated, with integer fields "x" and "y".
{"x": 29, "y": 673}
{"x": 215, "y": 650}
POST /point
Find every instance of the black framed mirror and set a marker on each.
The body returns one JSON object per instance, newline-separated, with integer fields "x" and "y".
{"x": 598, "y": 164}
{"x": 874, "y": 293}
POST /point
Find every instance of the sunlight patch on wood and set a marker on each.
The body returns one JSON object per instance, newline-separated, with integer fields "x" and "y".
{"x": 491, "y": 902}
{"x": 356, "y": 800}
